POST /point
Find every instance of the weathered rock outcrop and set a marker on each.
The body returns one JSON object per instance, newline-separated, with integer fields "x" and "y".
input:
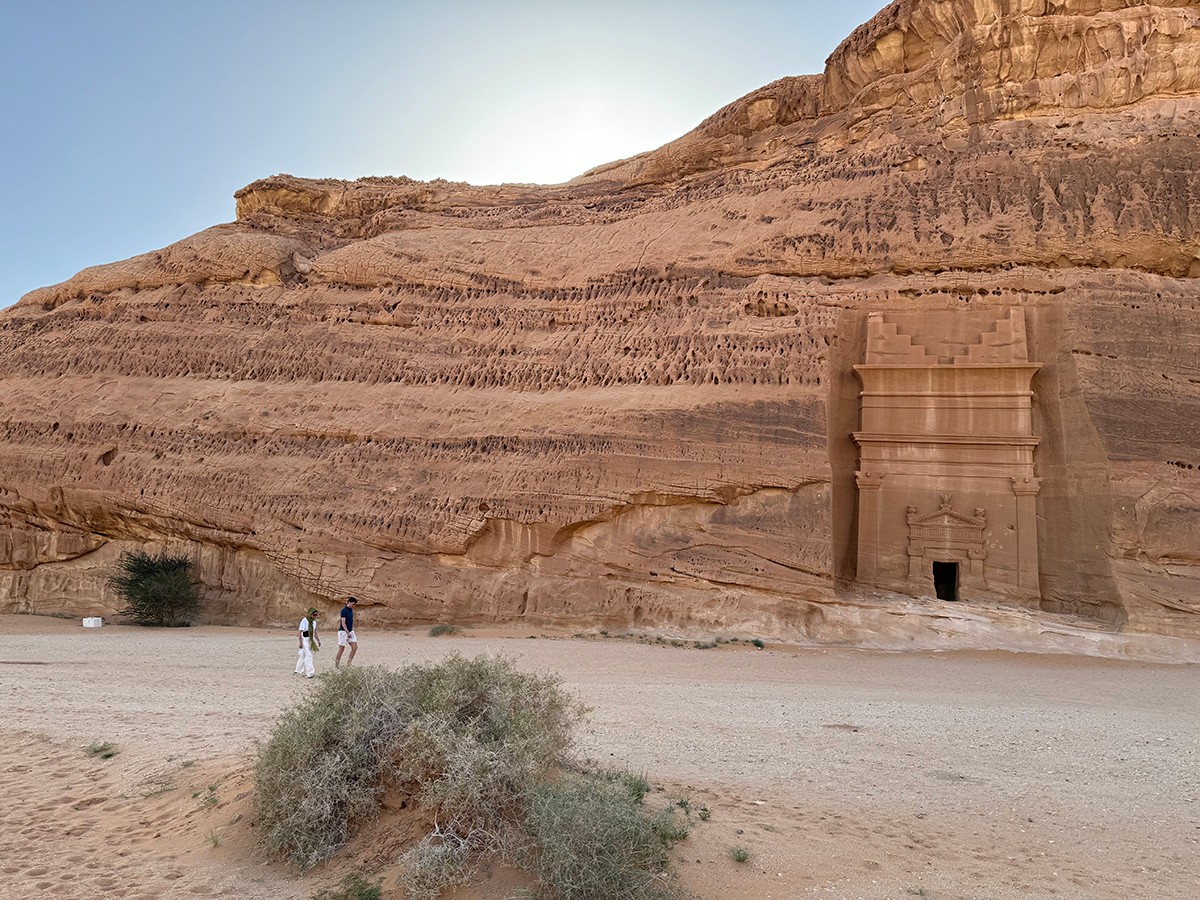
{"x": 631, "y": 398}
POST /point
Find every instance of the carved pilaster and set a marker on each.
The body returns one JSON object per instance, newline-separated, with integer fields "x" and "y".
{"x": 1026, "y": 489}
{"x": 869, "y": 484}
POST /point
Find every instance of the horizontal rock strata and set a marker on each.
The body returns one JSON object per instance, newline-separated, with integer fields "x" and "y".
{"x": 629, "y": 399}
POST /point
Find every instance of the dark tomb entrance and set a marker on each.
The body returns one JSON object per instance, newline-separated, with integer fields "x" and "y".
{"x": 945, "y": 580}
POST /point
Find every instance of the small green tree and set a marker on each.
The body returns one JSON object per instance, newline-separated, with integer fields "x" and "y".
{"x": 158, "y": 589}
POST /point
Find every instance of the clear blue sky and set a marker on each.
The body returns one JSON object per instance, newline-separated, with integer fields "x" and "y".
{"x": 129, "y": 124}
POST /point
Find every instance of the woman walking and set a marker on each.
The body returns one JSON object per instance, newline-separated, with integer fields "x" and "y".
{"x": 309, "y": 643}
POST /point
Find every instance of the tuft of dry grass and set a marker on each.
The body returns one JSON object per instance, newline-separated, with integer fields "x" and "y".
{"x": 352, "y": 887}
{"x": 101, "y": 750}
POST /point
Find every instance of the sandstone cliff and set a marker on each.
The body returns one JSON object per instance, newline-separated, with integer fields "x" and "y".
{"x": 630, "y": 399}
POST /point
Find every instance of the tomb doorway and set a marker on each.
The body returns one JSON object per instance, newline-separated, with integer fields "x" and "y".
{"x": 945, "y": 580}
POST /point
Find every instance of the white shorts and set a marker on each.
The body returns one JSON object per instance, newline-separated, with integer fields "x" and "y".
{"x": 344, "y": 638}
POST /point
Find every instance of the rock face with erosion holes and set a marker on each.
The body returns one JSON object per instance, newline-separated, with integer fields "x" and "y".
{"x": 925, "y": 324}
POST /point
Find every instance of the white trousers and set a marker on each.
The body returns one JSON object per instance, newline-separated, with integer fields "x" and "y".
{"x": 304, "y": 660}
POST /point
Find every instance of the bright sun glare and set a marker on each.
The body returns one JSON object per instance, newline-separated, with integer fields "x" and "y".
{"x": 558, "y": 133}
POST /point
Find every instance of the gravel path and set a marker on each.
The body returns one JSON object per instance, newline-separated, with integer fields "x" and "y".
{"x": 845, "y": 773}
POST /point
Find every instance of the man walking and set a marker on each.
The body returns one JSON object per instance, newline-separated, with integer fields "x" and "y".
{"x": 346, "y": 635}
{"x": 307, "y": 633}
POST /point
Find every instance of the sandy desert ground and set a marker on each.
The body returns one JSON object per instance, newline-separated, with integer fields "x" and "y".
{"x": 846, "y": 774}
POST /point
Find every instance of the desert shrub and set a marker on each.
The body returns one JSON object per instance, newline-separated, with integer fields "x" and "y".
{"x": 739, "y": 854}
{"x": 468, "y": 737}
{"x": 476, "y": 744}
{"x": 443, "y": 628}
{"x": 157, "y": 590}
{"x": 591, "y": 837}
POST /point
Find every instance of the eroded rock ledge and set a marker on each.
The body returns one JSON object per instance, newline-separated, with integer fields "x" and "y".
{"x": 629, "y": 399}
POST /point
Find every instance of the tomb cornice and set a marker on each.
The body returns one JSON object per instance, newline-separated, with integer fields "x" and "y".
{"x": 950, "y": 394}
{"x": 946, "y": 367}
{"x": 1008, "y": 440}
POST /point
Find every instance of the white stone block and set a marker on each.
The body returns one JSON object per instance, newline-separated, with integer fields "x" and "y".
{"x": 93, "y": 622}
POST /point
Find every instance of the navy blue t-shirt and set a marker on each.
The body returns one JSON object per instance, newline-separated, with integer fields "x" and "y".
{"x": 347, "y": 613}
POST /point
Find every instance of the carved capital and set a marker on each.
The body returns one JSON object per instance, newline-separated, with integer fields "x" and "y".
{"x": 869, "y": 481}
{"x": 1026, "y": 485}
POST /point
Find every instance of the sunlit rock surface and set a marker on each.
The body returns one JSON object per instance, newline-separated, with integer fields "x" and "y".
{"x": 630, "y": 399}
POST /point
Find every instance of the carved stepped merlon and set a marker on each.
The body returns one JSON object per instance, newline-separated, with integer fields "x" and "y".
{"x": 933, "y": 430}
{"x": 886, "y": 344}
{"x": 1003, "y": 344}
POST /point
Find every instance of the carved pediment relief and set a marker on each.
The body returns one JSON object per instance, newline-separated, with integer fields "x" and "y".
{"x": 946, "y": 525}
{"x": 947, "y": 518}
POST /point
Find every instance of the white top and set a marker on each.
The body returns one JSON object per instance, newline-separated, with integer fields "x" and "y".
{"x": 303, "y": 625}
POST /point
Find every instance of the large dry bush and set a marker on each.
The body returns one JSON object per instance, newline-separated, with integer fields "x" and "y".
{"x": 480, "y": 747}
{"x": 468, "y": 737}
